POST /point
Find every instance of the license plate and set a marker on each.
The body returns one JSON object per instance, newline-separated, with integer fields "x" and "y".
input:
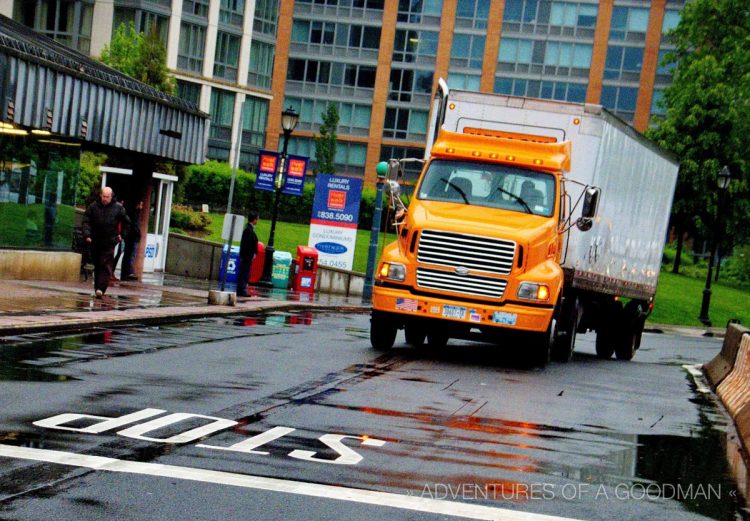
{"x": 507, "y": 319}
{"x": 458, "y": 312}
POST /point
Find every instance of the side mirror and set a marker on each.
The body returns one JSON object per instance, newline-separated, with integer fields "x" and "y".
{"x": 393, "y": 188}
{"x": 590, "y": 206}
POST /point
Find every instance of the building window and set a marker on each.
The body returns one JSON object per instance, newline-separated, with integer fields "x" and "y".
{"x": 222, "y": 114}
{"x": 567, "y": 14}
{"x": 66, "y": 21}
{"x": 350, "y": 154}
{"x": 515, "y": 50}
{"x": 561, "y": 54}
{"x": 463, "y": 81}
{"x": 231, "y": 12}
{"x": 621, "y": 100}
{"x": 197, "y": 8}
{"x": 144, "y": 21}
{"x": 227, "y": 56}
{"x": 623, "y": 63}
{"x": 354, "y": 119}
{"x": 557, "y": 90}
{"x": 629, "y": 23}
{"x": 412, "y": 11}
{"x": 188, "y": 91}
{"x": 266, "y": 13}
{"x": 254, "y": 121}
{"x": 309, "y": 71}
{"x": 192, "y": 47}
{"x": 415, "y": 46}
{"x": 467, "y": 51}
{"x": 656, "y": 103}
{"x": 406, "y": 82}
{"x": 261, "y": 64}
{"x": 473, "y": 13}
{"x": 403, "y": 123}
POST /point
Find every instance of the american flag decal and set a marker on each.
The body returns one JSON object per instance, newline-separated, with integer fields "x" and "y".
{"x": 406, "y": 304}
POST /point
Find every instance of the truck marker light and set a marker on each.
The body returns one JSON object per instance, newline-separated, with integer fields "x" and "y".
{"x": 542, "y": 293}
{"x": 476, "y": 153}
{"x": 452, "y": 106}
{"x": 450, "y": 150}
{"x": 510, "y": 158}
{"x": 493, "y": 155}
{"x": 538, "y": 162}
{"x": 576, "y": 121}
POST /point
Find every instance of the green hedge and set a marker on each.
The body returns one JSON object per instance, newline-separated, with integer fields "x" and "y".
{"x": 209, "y": 184}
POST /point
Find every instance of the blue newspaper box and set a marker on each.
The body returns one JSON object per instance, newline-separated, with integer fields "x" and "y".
{"x": 282, "y": 261}
{"x": 234, "y": 262}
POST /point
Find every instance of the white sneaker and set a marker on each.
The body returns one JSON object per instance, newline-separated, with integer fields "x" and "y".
{"x": 99, "y": 293}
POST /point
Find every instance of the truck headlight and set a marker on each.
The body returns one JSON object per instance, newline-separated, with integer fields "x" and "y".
{"x": 533, "y": 291}
{"x": 393, "y": 271}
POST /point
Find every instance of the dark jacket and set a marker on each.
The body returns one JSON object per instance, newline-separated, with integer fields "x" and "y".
{"x": 249, "y": 243}
{"x": 104, "y": 223}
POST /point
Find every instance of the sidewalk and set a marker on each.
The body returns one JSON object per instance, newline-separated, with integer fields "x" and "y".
{"x": 28, "y": 306}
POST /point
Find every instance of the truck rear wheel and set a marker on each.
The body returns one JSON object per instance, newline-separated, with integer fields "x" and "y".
{"x": 629, "y": 337}
{"x": 383, "y": 331}
{"x": 605, "y": 343}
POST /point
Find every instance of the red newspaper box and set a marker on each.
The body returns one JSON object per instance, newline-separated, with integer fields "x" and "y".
{"x": 256, "y": 269}
{"x": 306, "y": 269}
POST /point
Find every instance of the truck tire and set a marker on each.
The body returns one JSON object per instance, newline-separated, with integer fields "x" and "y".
{"x": 383, "y": 331}
{"x": 540, "y": 351}
{"x": 605, "y": 343}
{"x": 565, "y": 337}
{"x": 629, "y": 337}
{"x": 415, "y": 334}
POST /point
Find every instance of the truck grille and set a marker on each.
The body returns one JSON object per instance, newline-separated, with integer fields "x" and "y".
{"x": 466, "y": 284}
{"x": 469, "y": 251}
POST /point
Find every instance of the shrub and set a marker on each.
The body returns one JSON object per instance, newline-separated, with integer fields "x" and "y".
{"x": 187, "y": 219}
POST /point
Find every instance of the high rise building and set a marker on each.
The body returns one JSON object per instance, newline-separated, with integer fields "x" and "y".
{"x": 378, "y": 61}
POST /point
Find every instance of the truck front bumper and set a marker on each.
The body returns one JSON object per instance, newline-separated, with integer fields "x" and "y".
{"x": 512, "y": 315}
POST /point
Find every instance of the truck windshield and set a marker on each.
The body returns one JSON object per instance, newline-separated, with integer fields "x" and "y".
{"x": 491, "y": 185}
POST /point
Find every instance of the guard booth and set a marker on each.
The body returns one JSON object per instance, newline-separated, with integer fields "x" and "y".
{"x": 120, "y": 180}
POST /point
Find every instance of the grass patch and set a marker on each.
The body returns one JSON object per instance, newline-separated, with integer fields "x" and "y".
{"x": 678, "y": 301}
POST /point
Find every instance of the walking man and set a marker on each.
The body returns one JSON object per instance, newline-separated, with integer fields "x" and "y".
{"x": 131, "y": 244}
{"x": 104, "y": 224}
{"x": 248, "y": 249}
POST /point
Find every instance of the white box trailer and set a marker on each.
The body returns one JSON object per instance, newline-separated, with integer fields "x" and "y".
{"x": 621, "y": 253}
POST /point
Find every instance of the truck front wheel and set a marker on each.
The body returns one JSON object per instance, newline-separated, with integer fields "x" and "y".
{"x": 383, "y": 329}
{"x": 541, "y": 346}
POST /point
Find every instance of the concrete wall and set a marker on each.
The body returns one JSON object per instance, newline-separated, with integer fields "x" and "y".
{"x": 40, "y": 265}
{"x": 190, "y": 257}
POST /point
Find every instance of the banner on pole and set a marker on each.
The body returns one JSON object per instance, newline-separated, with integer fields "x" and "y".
{"x": 268, "y": 163}
{"x": 335, "y": 214}
{"x": 296, "y": 169}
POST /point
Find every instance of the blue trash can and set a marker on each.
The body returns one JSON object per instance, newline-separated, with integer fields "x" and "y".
{"x": 233, "y": 265}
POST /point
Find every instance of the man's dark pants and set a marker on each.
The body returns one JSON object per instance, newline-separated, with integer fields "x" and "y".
{"x": 103, "y": 267}
{"x": 243, "y": 274}
{"x": 128, "y": 257}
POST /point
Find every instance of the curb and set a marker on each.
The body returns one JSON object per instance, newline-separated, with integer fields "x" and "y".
{"x": 83, "y": 321}
{"x": 729, "y": 376}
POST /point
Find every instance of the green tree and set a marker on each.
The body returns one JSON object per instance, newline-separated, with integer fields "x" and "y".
{"x": 707, "y": 111}
{"x": 325, "y": 143}
{"x": 140, "y": 56}
{"x": 90, "y": 177}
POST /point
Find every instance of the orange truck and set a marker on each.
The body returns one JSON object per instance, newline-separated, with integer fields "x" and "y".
{"x": 532, "y": 220}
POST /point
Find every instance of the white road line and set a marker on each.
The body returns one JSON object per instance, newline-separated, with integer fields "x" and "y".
{"x": 384, "y": 499}
{"x": 698, "y": 377}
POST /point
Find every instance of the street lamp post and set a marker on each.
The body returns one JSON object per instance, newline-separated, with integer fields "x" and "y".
{"x": 723, "y": 181}
{"x": 289, "y": 120}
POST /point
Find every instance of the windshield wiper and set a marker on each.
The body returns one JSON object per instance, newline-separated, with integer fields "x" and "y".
{"x": 517, "y": 198}
{"x": 456, "y": 188}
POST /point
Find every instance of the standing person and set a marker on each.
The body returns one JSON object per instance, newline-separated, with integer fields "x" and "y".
{"x": 131, "y": 244}
{"x": 104, "y": 224}
{"x": 248, "y": 249}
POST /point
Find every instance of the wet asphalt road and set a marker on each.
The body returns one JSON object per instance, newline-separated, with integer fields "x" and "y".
{"x": 301, "y": 397}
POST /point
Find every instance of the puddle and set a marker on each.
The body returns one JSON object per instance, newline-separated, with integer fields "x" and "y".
{"x": 32, "y": 357}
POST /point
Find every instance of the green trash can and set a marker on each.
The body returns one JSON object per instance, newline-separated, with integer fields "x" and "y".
{"x": 282, "y": 261}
